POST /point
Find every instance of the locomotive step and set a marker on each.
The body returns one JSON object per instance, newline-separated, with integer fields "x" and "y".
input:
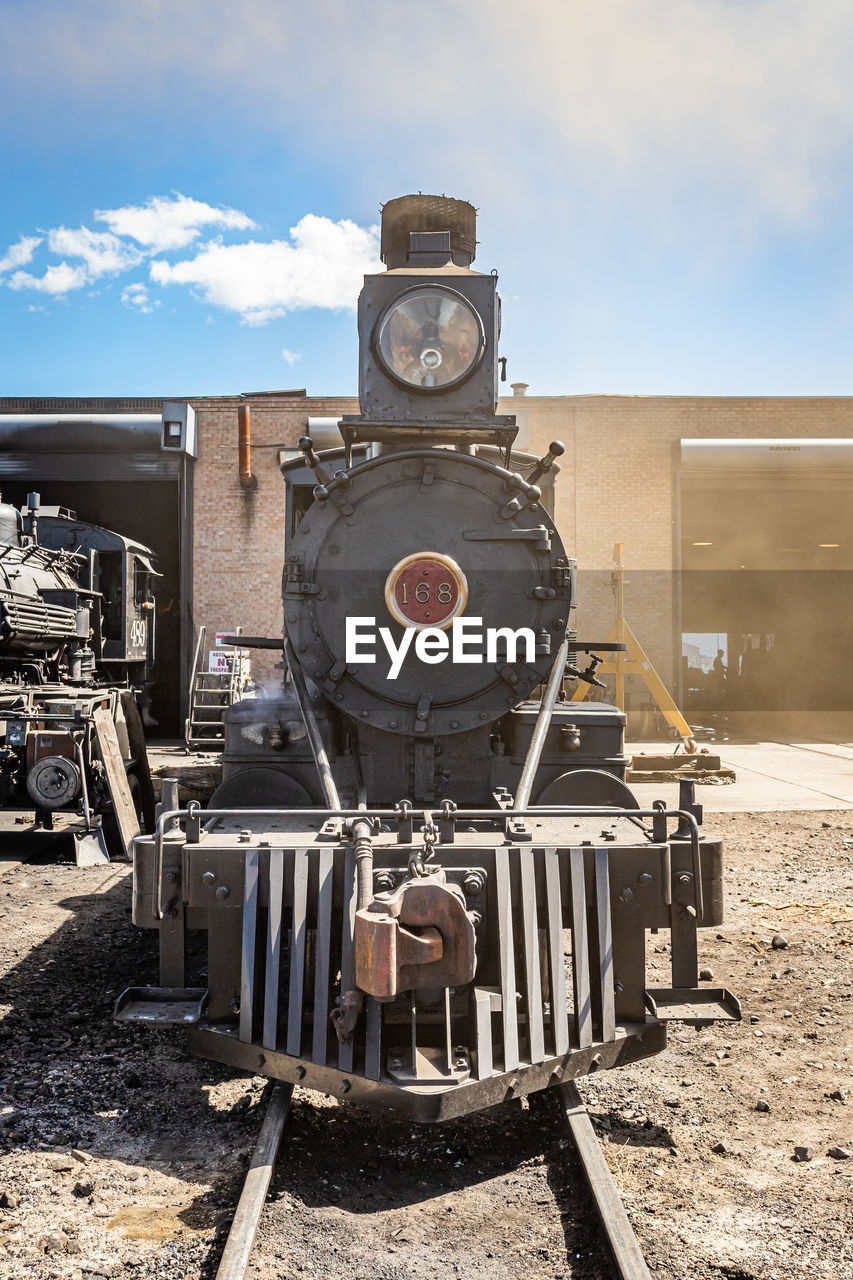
{"x": 696, "y": 1006}
{"x": 163, "y": 1006}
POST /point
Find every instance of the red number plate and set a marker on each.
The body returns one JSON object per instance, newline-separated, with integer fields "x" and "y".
{"x": 426, "y": 590}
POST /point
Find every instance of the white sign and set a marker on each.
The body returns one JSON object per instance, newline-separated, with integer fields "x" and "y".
{"x": 218, "y": 664}
{"x": 220, "y": 639}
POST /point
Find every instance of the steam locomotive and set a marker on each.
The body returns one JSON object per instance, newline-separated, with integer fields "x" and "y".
{"x": 424, "y": 882}
{"x": 76, "y": 641}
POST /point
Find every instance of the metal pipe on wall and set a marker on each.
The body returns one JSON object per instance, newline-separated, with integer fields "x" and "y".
{"x": 244, "y": 438}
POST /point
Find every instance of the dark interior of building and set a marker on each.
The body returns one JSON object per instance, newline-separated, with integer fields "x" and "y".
{"x": 767, "y": 572}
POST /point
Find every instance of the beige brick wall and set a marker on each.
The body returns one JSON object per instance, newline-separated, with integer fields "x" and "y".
{"x": 617, "y": 484}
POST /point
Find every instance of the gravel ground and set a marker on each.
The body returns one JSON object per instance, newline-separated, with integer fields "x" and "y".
{"x": 120, "y": 1155}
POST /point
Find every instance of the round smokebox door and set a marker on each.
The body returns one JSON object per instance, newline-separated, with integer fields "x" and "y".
{"x": 422, "y": 542}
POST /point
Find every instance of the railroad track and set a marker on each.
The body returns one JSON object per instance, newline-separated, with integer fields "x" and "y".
{"x": 617, "y": 1229}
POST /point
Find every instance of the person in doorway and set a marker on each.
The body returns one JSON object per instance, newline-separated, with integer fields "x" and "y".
{"x": 719, "y": 673}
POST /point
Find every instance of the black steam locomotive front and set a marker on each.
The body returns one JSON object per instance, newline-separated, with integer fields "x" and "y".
{"x": 424, "y": 880}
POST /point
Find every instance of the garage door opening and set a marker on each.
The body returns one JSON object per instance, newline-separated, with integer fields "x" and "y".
{"x": 113, "y": 464}
{"x": 767, "y": 575}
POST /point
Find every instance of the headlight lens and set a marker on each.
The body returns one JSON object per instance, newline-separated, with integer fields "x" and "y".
{"x": 430, "y": 338}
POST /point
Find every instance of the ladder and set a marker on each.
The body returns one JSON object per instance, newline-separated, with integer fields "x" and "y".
{"x": 635, "y": 662}
{"x": 212, "y": 693}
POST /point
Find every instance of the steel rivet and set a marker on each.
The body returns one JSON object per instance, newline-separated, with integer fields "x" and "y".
{"x": 223, "y": 892}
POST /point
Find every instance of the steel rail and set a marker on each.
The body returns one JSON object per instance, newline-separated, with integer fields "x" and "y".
{"x": 234, "y": 1263}
{"x": 617, "y": 1227}
{"x": 623, "y": 1244}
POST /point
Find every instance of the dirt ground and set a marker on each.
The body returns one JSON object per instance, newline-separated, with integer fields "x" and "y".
{"x": 120, "y": 1155}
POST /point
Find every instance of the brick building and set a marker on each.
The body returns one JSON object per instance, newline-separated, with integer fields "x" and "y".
{"x": 736, "y": 516}
{"x": 696, "y": 529}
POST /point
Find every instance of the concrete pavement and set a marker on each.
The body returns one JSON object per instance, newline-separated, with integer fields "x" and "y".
{"x": 771, "y": 776}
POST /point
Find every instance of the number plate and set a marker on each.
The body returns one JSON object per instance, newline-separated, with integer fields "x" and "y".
{"x": 426, "y": 589}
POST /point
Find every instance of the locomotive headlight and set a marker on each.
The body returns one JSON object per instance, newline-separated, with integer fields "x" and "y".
{"x": 430, "y": 338}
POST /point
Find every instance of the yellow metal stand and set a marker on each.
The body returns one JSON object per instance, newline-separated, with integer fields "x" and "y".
{"x": 634, "y": 662}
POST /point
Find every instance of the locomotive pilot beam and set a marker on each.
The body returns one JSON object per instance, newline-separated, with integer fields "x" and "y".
{"x": 424, "y": 881}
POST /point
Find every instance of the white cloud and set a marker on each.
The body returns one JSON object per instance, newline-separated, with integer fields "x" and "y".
{"x": 18, "y": 255}
{"x": 56, "y": 280}
{"x": 102, "y": 252}
{"x": 323, "y": 267}
{"x": 290, "y": 357}
{"x": 165, "y": 222}
{"x": 136, "y": 295}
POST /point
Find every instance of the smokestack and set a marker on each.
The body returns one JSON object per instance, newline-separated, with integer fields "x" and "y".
{"x": 519, "y": 388}
{"x": 33, "y": 505}
{"x": 420, "y": 213}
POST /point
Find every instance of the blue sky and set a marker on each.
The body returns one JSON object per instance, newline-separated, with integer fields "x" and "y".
{"x": 190, "y": 192}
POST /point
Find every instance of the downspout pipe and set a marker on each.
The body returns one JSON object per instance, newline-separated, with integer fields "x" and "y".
{"x": 244, "y": 438}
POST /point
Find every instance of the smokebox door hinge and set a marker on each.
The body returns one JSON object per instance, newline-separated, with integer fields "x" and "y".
{"x": 335, "y": 676}
{"x": 422, "y": 713}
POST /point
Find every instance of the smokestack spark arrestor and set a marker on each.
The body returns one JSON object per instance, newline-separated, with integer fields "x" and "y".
{"x": 428, "y": 331}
